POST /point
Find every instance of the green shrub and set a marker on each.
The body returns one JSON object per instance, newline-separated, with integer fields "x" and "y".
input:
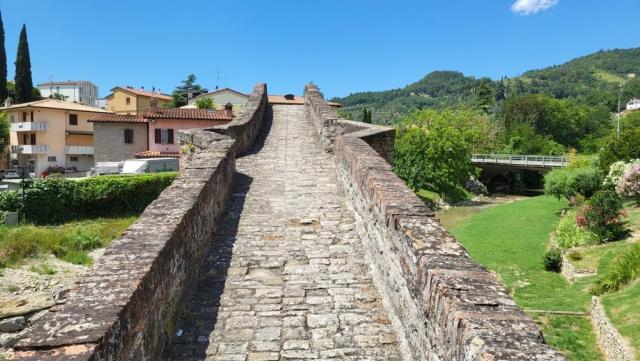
{"x": 575, "y": 255}
{"x": 58, "y": 200}
{"x": 602, "y": 216}
{"x": 43, "y": 269}
{"x": 569, "y": 182}
{"x": 553, "y": 260}
{"x": 10, "y": 201}
{"x": 624, "y": 269}
{"x": 569, "y": 234}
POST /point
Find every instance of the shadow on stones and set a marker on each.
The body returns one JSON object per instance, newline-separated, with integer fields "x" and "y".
{"x": 200, "y": 313}
{"x": 264, "y": 131}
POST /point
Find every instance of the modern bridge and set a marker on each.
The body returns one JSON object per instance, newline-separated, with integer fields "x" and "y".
{"x": 514, "y": 161}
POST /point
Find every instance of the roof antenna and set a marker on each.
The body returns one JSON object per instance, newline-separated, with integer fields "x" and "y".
{"x": 50, "y": 77}
{"x": 218, "y": 79}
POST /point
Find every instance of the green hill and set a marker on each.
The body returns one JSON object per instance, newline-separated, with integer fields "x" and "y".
{"x": 594, "y": 79}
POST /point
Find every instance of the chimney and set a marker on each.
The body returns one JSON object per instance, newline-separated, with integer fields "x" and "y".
{"x": 142, "y": 87}
{"x": 8, "y": 102}
{"x": 154, "y": 105}
{"x": 228, "y": 107}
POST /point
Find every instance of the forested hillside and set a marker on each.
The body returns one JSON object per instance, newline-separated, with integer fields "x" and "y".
{"x": 592, "y": 80}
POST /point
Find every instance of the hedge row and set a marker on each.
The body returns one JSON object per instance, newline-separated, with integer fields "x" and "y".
{"x": 58, "y": 200}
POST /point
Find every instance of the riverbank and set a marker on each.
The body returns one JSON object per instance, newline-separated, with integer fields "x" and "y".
{"x": 511, "y": 239}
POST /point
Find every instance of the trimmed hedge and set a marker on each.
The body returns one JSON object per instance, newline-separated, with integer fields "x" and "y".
{"x": 58, "y": 200}
{"x": 569, "y": 182}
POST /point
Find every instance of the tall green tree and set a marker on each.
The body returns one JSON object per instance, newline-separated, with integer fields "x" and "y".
{"x": 366, "y": 115}
{"x": 485, "y": 95}
{"x": 3, "y": 64}
{"x": 188, "y": 87}
{"x": 24, "y": 82}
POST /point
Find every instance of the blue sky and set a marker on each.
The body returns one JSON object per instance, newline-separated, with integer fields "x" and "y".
{"x": 342, "y": 45}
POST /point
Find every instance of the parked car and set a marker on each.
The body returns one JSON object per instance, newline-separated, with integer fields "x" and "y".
{"x": 11, "y": 174}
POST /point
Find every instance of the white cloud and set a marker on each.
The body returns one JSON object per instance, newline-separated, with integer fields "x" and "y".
{"x": 528, "y": 7}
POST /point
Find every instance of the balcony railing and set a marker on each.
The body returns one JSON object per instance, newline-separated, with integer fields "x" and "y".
{"x": 78, "y": 149}
{"x": 30, "y": 127}
{"x": 30, "y": 149}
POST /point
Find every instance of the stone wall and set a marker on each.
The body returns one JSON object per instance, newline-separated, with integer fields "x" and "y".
{"x": 245, "y": 128}
{"x": 611, "y": 341}
{"x": 447, "y": 306}
{"x": 126, "y": 305}
{"x": 109, "y": 145}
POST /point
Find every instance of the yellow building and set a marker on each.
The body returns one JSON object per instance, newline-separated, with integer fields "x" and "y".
{"x": 50, "y": 133}
{"x": 127, "y": 100}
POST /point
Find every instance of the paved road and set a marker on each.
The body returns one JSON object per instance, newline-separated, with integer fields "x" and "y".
{"x": 288, "y": 279}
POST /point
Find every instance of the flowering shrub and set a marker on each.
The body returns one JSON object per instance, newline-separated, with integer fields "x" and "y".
{"x": 616, "y": 171}
{"x": 602, "y": 216}
{"x": 569, "y": 233}
{"x": 629, "y": 184}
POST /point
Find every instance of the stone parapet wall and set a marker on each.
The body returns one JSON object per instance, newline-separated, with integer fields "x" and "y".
{"x": 329, "y": 126}
{"x": 446, "y": 306}
{"x": 126, "y": 305}
{"x": 246, "y": 126}
{"x": 611, "y": 341}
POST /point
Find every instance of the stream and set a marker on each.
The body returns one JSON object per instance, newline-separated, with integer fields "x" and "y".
{"x": 449, "y": 218}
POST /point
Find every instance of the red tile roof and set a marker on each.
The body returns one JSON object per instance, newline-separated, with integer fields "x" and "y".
{"x": 182, "y": 113}
{"x": 156, "y": 154}
{"x": 143, "y": 93}
{"x": 117, "y": 118}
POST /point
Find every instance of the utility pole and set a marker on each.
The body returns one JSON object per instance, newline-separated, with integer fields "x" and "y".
{"x": 619, "y": 101}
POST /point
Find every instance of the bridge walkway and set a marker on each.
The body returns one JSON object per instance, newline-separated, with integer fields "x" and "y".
{"x": 288, "y": 278}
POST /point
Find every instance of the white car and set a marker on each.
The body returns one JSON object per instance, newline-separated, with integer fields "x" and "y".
{"x": 11, "y": 174}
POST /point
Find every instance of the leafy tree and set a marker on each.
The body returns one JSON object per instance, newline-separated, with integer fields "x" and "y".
{"x": 4, "y": 132}
{"x": 189, "y": 87}
{"x": 602, "y": 215}
{"x": 3, "y": 64}
{"x": 345, "y": 114}
{"x": 436, "y": 157}
{"x": 624, "y": 148}
{"x": 23, "y": 80}
{"x": 570, "y": 182}
{"x": 205, "y": 103}
{"x": 485, "y": 95}
{"x": 501, "y": 90}
{"x": 366, "y": 115}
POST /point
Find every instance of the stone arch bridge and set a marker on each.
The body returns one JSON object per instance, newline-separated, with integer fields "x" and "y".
{"x": 286, "y": 237}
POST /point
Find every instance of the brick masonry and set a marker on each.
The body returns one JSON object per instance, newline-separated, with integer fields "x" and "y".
{"x": 447, "y": 306}
{"x": 126, "y": 306}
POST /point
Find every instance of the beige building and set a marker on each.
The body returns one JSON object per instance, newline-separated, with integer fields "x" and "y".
{"x": 51, "y": 133}
{"x": 221, "y": 98}
{"x": 127, "y": 100}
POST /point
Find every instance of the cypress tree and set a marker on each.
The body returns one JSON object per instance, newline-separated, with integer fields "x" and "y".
{"x": 3, "y": 65}
{"x": 24, "y": 83}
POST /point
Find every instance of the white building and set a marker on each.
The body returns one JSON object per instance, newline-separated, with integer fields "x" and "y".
{"x": 81, "y": 91}
{"x": 221, "y": 97}
{"x": 633, "y": 104}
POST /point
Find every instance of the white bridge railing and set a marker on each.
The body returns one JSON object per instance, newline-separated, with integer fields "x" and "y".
{"x": 542, "y": 161}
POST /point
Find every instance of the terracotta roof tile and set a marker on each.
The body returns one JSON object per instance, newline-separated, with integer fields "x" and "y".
{"x": 181, "y": 113}
{"x": 56, "y": 104}
{"x": 117, "y": 118}
{"x": 144, "y": 93}
{"x": 156, "y": 154}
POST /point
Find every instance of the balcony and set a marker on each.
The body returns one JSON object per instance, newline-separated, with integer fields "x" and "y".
{"x": 78, "y": 149}
{"x": 29, "y": 127}
{"x": 29, "y": 149}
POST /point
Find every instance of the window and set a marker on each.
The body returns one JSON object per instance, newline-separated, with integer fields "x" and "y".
{"x": 31, "y": 116}
{"x": 13, "y": 118}
{"x": 128, "y": 100}
{"x": 164, "y": 136}
{"x": 51, "y": 159}
{"x": 73, "y": 159}
{"x": 73, "y": 119}
{"x": 33, "y": 139}
{"x": 128, "y": 136}
{"x": 24, "y": 116}
{"x": 24, "y": 139}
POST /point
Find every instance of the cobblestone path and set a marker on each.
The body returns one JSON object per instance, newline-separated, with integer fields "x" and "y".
{"x": 287, "y": 279}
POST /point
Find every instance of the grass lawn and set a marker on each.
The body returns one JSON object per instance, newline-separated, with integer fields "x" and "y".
{"x": 511, "y": 240}
{"x": 622, "y": 310}
{"x": 70, "y": 241}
